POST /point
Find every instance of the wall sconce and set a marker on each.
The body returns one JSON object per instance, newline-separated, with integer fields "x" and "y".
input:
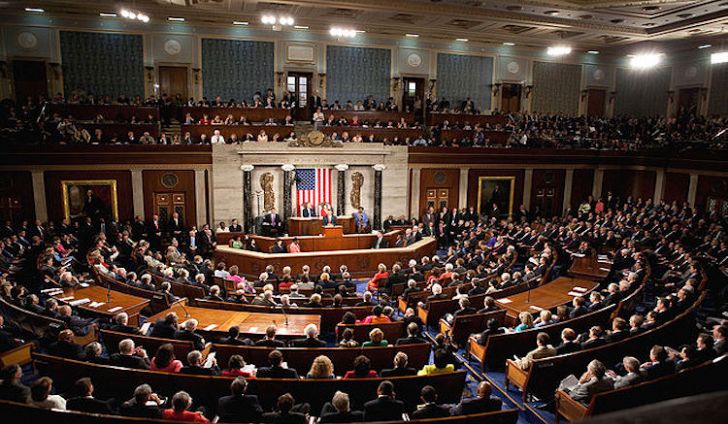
{"x": 612, "y": 96}
{"x": 196, "y": 75}
{"x": 528, "y": 90}
{"x": 670, "y": 95}
{"x": 322, "y": 78}
{"x": 495, "y": 88}
{"x": 150, "y": 76}
{"x": 56, "y": 68}
{"x": 432, "y": 84}
{"x": 3, "y": 69}
{"x": 703, "y": 92}
{"x": 584, "y": 94}
{"x": 279, "y": 77}
{"x": 395, "y": 82}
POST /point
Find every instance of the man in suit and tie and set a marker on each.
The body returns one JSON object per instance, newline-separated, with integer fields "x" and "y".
{"x": 175, "y": 226}
{"x": 155, "y": 232}
{"x": 430, "y": 409}
{"x": 235, "y": 227}
{"x": 275, "y": 370}
{"x": 314, "y": 102}
{"x": 484, "y": 402}
{"x": 592, "y": 382}
{"x": 238, "y": 404}
{"x": 385, "y": 407}
{"x": 380, "y": 242}
{"x": 308, "y": 211}
{"x": 273, "y": 221}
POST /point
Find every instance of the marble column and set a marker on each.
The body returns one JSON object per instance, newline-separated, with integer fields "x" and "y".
{"x": 137, "y": 192}
{"x": 287, "y": 186}
{"x": 200, "y": 199}
{"x": 415, "y": 194}
{"x": 341, "y": 189}
{"x": 693, "y": 190}
{"x": 39, "y": 195}
{"x": 597, "y": 186}
{"x": 659, "y": 185}
{"x": 527, "y": 185}
{"x": 568, "y": 183}
{"x": 248, "y": 218}
{"x": 377, "y": 223}
{"x": 463, "y": 189}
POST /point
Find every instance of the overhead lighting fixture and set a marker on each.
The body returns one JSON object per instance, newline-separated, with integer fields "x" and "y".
{"x": 412, "y": 35}
{"x": 34, "y": 9}
{"x": 277, "y": 21}
{"x": 359, "y": 31}
{"x": 558, "y": 50}
{"x": 593, "y": 51}
{"x": 645, "y": 60}
{"x": 300, "y": 26}
{"x": 508, "y": 43}
{"x": 342, "y": 32}
{"x": 268, "y": 19}
{"x": 134, "y": 15}
{"x": 720, "y": 57}
{"x": 107, "y": 15}
{"x": 463, "y": 40}
{"x": 705, "y": 46}
{"x": 240, "y": 23}
{"x": 177, "y": 19}
{"x": 285, "y": 20}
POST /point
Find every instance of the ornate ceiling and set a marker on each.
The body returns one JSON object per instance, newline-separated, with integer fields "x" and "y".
{"x": 579, "y": 23}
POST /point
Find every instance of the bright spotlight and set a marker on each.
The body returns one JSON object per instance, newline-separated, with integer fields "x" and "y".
{"x": 645, "y": 60}
{"x": 720, "y": 57}
{"x": 558, "y": 51}
{"x": 268, "y": 20}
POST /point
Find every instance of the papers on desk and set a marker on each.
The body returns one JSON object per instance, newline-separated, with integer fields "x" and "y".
{"x": 84, "y": 285}
{"x": 80, "y": 302}
{"x": 145, "y": 327}
{"x": 579, "y": 289}
{"x": 533, "y": 260}
{"x": 602, "y": 258}
{"x": 504, "y": 301}
{"x": 54, "y": 292}
{"x": 115, "y": 309}
{"x": 578, "y": 255}
{"x": 66, "y": 299}
{"x": 575, "y": 294}
{"x": 96, "y": 304}
{"x": 604, "y": 269}
{"x": 255, "y": 329}
{"x": 536, "y": 308}
{"x": 209, "y": 361}
{"x": 210, "y": 327}
{"x": 52, "y": 289}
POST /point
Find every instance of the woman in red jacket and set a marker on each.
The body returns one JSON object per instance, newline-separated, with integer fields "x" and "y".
{"x": 379, "y": 278}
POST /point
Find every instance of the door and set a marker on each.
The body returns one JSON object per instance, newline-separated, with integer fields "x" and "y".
{"x": 437, "y": 198}
{"x": 596, "y": 99}
{"x": 687, "y": 101}
{"x": 412, "y": 94}
{"x": 173, "y": 81}
{"x": 299, "y": 84}
{"x": 165, "y": 204}
{"x": 511, "y": 98}
{"x": 30, "y": 79}
{"x": 11, "y": 209}
{"x": 546, "y": 202}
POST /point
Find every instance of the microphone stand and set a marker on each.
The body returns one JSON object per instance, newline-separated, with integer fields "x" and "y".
{"x": 285, "y": 315}
{"x": 108, "y": 292}
{"x": 182, "y": 304}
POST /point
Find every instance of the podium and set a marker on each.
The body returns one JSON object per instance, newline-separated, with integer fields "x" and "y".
{"x": 333, "y": 231}
{"x": 298, "y": 226}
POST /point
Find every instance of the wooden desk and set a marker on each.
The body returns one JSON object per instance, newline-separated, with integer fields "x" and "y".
{"x": 379, "y": 133}
{"x": 298, "y": 226}
{"x": 548, "y": 296}
{"x": 589, "y": 268}
{"x": 119, "y": 130}
{"x": 315, "y": 243}
{"x": 372, "y": 116}
{"x": 250, "y": 323}
{"x": 132, "y": 305}
{"x": 110, "y": 112}
{"x": 250, "y": 114}
{"x": 452, "y": 118}
{"x": 240, "y": 131}
{"x": 361, "y": 262}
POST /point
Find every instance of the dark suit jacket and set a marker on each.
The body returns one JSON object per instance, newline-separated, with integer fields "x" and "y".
{"x": 129, "y": 361}
{"x": 276, "y": 372}
{"x": 382, "y": 244}
{"x": 163, "y": 330}
{"x": 308, "y": 342}
{"x": 410, "y": 340}
{"x": 308, "y": 213}
{"x": 338, "y": 417}
{"x": 383, "y": 408}
{"x": 236, "y": 408}
{"x": 430, "y": 410}
{"x": 66, "y": 350}
{"x": 281, "y": 418}
{"x": 270, "y": 343}
{"x": 85, "y": 404}
{"x": 398, "y": 372}
{"x": 195, "y": 338}
{"x": 476, "y": 405}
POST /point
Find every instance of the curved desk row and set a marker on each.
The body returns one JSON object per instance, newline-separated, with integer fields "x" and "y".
{"x": 361, "y": 263}
{"x": 333, "y": 238}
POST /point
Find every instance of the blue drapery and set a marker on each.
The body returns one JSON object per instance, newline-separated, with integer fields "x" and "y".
{"x": 556, "y": 88}
{"x": 353, "y": 73}
{"x": 718, "y": 103}
{"x": 642, "y": 93}
{"x": 461, "y": 76}
{"x": 235, "y": 69}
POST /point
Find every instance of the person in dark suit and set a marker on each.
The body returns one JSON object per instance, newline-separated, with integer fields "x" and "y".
{"x": 275, "y": 370}
{"x": 130, "y": 356}
{"x": 121, "y": 324}
{"x": 578, "y": 308}
{"x": 165, "y": 328}
{"x": 235, "y": 227}
{"x": 11, "y": 388}
{"x": 568, "y": 342}
{"x": 270, "y": 338}
{"x": 400, "y": 367}
{"x": 273, "y": 221}
{"x": 279, "y": 247}
{"x": 144, "y": 404}
{"x": 658, "y": 365}
{"x": 188, "y": 333}
{"x": 380, "y": 242}
{"x": 65, "y": 347}
{"x": 413, "y": 335}
{"x": 239, "y": 405}
{"x": 175, "y": 227}
{"x": 430, "y": 409}
{"x": 311, "y": 339}
{"x": 84, "y": 400}
{"x": 308, "y": 211}
{"x": 314, "y": 102}
{"x": 385, "y": 407}
{"x": 484, "y": 402}
{"x": 339, "y": 410}
{"x": 284, "y": 414}
{"x": 195, "y": 365}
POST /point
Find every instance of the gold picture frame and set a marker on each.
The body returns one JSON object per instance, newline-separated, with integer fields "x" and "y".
{"x": 74, "y": 192}
{"x": 488, "y": 184}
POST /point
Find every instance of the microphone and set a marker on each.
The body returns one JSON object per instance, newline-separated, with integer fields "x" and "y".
{"x": 182, "y": 304}
{"x": 285, "y": 315}
{"x": 108, "y": 292}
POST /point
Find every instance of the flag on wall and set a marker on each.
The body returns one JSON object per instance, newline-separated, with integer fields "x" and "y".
{"x": 313, "y": 185}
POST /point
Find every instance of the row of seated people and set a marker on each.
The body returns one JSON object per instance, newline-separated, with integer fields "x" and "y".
{"x": 320, "y": 120}
{"x": 230, "y": 120}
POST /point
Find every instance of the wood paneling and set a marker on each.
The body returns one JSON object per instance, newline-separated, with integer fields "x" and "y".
{"x": 84, "y": 155}
{"x": 16, "y": 196}
{"x": 547, "y": 191}
{"x": 447, "y": 179}
{"x": 710, "y": 187}
{"x": 581, "y": 186}
{"x": 675, "y": 187}
{"x": 625, "y": 182}
{"x": 475, "y": 174}
{"x": 153, "y": 184}
{"x": 54, "y": 194}
{"x": 173, "y": 80}
{"x": 30, "y": 79}
{"x": 596, "y": 100}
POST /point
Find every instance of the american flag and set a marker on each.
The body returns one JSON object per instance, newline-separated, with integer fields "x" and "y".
{"x": 313, "y": 185}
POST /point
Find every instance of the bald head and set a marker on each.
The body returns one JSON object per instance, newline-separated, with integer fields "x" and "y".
{"x": 484, "y": 390}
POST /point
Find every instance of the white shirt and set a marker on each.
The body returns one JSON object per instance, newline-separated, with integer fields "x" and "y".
{"x": 217, "y": 139}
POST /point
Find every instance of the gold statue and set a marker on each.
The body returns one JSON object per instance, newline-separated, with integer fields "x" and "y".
{"x": 357, "y": 180}
{"x": 269, "y": 197}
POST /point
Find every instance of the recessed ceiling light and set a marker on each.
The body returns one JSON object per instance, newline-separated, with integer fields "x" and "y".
{"x": 720, "y": 57}
{"x": 177, "y": 19}
{"x": 342, "y": 32}
{"x": 300, "y": 26}
{"x": 359, "y": 31}
{"x": 593, "y": 52}
{"x": 107, "y": 15}
{"x": 240, "y": 23}
{"x": 558, "y": 50}
{"x": 685, "y": 15}
{"x": 551, "y": 12}
{"x": 705, "y": 46}
{"x": 645, "y": 60}
{"x": 412, "y": 35}
{"x": 464, "y": 40}
{"x": 508, "y": 43}
{"x": 617, "y": 21}
{"x": 34, "y": 9}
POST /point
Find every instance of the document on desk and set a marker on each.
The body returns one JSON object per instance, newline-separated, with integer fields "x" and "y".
{"x": 80, "y": 302}
{"x": 575, "y": 294}
{"x": 504, "y": 301}
{"x": 115, "y": 309}
{"x": 536, "y": 308}
{"x": 145, "y": 327}
{"x": 66, "y": 299}
{"x": 579, "y": 289}
{"x": 210, "y": 327}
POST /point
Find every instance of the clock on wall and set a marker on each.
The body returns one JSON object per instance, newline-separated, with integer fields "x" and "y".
{"x": 172, "y": 47}
{"x": 414, "y": 60}
{"x": 27, "y": 40}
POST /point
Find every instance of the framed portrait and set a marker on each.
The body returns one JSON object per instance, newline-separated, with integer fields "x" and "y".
{"x": 495, "y": 196}
{"x": 90, "y": 198}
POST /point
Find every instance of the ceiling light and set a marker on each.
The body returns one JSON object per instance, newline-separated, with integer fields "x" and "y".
{"x": 285, "y": 20}
{"x": 705, "y": 46}
{"x": 645, "y": 60}
{"x": 268, "y": 20}
{"x": 412, "y": 35}
{"x": 593, "y": 52}
{"x": 558, "y": 50}
{"x": 300, "y": 26}
{"x": 359, "y": 31}
{"x": 172, "y": 18}
{"x": 464, "y": 40}
{"x": 551, "y": 12}
{"x": 128, "y": 14}
{"x": 34, "y": 9}
{"x": 143, "y": 18}
{"x": 720, "y": 57}
{"x": 342, "y": 32}
{"x": 107, "y": 15}
{"x": 508, "y": 43}
{"x": 240, "y": 23}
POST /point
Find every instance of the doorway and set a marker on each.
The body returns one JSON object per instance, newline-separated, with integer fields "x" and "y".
{"x": 687, "y": 101}
{"x": 299, "y": 85}
{"x": 165, "y": 204}
{"x": 511, "y": 98}
{"x": 30, "y": 79}
{"x": 173, "y": 81}
{"x": 437, "y": 198}
{"x": 596, "y": 100}
{"x": 413, "y": 91}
